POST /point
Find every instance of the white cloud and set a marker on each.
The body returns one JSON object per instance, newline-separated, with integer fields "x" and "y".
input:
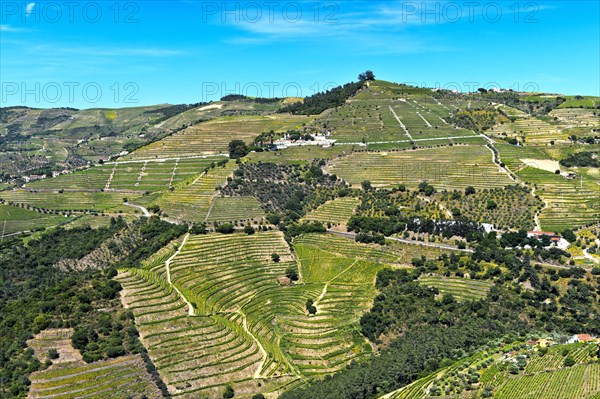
{"x": 29, "y": 8}
{"x": 9, "y": 28}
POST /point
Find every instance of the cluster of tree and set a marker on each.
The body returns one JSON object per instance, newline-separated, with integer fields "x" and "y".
{"x": 534, "y": 106}
{"x": 366, "y": 76}
{"x": 296, "y": 229}
{"x": 476, "y": 119}
{"x": 238, "y": 149}
{"x": 398, "y": 223}
{"x": 319, "y": 102}
{"x": 586, "y": 140}
{"x": 259, "y": 100}
{"x": 285, "y": 191}
{"x": 430, "y": 333}
{"x": 370, "y": 238}
{"x": 582, "y": 159}
{"x": 152, "y": 234}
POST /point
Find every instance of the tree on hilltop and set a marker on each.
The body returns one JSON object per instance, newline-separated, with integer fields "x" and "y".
{"x": 367, "y": 75}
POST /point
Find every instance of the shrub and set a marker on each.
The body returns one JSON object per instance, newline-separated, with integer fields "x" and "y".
{"x": 115, "y": 351}
{"x": 275, "y": 257}
{"x": 53, "y": 353}
{"x": 229, "y": 392}
{"x": 569, "y": 235}
{"x": 237, "y": 149}
{"x": 569, "y": 361}
{"x": 292, "y": 273}
{"x": 198, "y": 228}
{"x": 249, "y": 229}
{"x": 225, "y": 228}
{"x": 310, "y": 307}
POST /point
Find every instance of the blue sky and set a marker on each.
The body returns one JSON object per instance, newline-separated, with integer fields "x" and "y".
{"x": 89, "y": 54}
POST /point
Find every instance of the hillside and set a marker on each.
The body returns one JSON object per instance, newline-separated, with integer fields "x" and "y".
{"x": 368, "y": 242}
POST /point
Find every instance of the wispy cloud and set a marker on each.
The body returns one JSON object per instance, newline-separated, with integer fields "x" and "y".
{"x": 103, "y": 52}
{"x": 9, "y": 28}
{"x": 393, "y": 25}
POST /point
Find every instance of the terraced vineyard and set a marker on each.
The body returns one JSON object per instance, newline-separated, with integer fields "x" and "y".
{"x": 576, "y": 117}
{"x": 137, "y": 176}
{"x": 231, "y": 209}
{"x": 70, "y": 377}
{"x": 554, "y": 359}
{"x": 213, "y": 137}
{"x": 191, "y": 200}
{"x": 534, "y": 130}
{"x": 444, "y": 167}
{"x": 584, "y": 380}
{"x": 336, "y": 212}
{"x": 571, "y": 203}
{"x": 512, "y": 155}
{"x": 217, "y": 314}
{"x": 384, "y": 114}
{"x": 461, "y": 288}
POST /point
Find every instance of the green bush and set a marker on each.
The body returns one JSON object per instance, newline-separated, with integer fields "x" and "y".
{"x": 225, "y": 228}
{"x": 229, "y": 392}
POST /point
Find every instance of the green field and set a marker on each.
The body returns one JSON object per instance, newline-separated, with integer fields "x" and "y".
{"x": 534, "y": 131}
{"x": 300, "y": 154}
{"x": 14, "y": 219}
{"x": 446, "y": 167}
{"x": 67, "y": 201}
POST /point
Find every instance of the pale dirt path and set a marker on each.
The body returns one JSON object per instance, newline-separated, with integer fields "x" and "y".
{"x": 144, "y": 210}
{"x": 536, "y": 217}
{"x": 191, "y": 310}
{"x": 263, "y": 352}
{"x": 110, "y": 178}
{"x": 324, "y": 292}
{"x": 424, "y": 120}
{"x": 165, "y": 159}
{"x": 400, "y": 122}
{"x": 587, "y": 255}
{"x": 408, "y": 141}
